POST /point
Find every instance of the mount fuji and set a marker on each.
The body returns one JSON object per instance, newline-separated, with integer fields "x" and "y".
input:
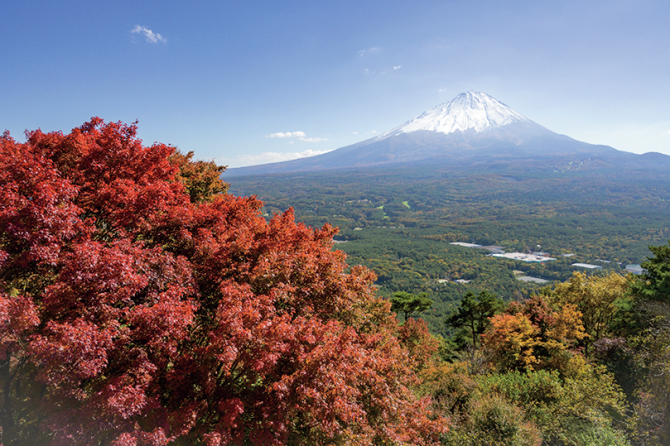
{"x": 474, "y": 130}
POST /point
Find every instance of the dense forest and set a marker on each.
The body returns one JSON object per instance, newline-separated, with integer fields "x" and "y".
{"x": 144, "y": 301}
{"x": 400, "y": 223}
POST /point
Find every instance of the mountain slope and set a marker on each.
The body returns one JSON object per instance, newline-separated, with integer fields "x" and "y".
{"x": 474, "y": 129}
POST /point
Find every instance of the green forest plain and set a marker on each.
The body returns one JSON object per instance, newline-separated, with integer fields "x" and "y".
{"x": 401, "y": 222}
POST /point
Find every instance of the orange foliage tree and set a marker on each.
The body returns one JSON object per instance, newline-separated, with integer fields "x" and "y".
{"x": 420, "y": 344}
{"x": 138, "y": 306}
{"x": 532, "y": 335}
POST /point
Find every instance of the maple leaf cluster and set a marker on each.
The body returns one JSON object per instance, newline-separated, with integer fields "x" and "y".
{"x": 142, "y": 305}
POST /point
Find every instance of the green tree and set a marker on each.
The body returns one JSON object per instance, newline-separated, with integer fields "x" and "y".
{"x": 471, "y": 318}
{"x": 201, "y": 179}
{"x": 653, "y": 403}
{"x": 652, "y": 291}
{"x": 408, "y": 303}
{"x": 654, "y": 284}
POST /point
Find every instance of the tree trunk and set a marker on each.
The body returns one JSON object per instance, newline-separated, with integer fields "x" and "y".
{"x": 6, "y": 412}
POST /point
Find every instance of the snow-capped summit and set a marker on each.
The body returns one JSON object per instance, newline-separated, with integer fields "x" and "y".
{"x": 472, "y": 110}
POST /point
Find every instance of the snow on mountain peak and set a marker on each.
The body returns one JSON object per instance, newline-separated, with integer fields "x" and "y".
{"x": 471, "y": 110}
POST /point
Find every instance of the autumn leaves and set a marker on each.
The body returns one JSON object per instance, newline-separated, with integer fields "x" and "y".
{"x": 141, "y": 305}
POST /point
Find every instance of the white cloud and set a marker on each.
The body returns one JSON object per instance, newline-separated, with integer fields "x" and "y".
{"x": 374, "y": 49}
{"x": 286, "y": 135}
{"x": 397, "y": 67}
{"x": 275, "y": 157}
{"x": 151, "y": 36}
{"x": 312, "y": 139}
{"x": 355, "y": 133}
{"x": 300, "y": 136}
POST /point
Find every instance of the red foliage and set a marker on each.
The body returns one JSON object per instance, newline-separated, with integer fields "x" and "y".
{"x": 150, "y": 310}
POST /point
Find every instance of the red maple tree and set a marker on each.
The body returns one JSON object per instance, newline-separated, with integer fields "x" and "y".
{"x": 140, "y": 305}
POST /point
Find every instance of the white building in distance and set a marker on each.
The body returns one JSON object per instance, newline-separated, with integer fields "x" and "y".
{"x": 524, "y": 257}
{"x": 587, "y": 265}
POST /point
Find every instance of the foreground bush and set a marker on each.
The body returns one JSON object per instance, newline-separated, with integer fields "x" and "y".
{"x": 585, "y": 408}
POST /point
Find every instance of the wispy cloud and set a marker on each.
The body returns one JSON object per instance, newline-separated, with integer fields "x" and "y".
{"x": 313, "y": 139}
{"x": 275, "y": 157}
{"x": 151, "y": 36}
{"x": 372, "y": 50}
{"x": 286, "y": 135}
{"x": 397, "y": 67}
{"x": 300, "y": 136}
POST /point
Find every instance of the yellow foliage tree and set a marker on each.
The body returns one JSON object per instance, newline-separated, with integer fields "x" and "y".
{"x": 512, "y": 340}
{"x": 599, "y": 299}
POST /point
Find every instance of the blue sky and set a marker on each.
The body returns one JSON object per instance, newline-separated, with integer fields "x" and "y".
{"x": 259, "y": 81}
